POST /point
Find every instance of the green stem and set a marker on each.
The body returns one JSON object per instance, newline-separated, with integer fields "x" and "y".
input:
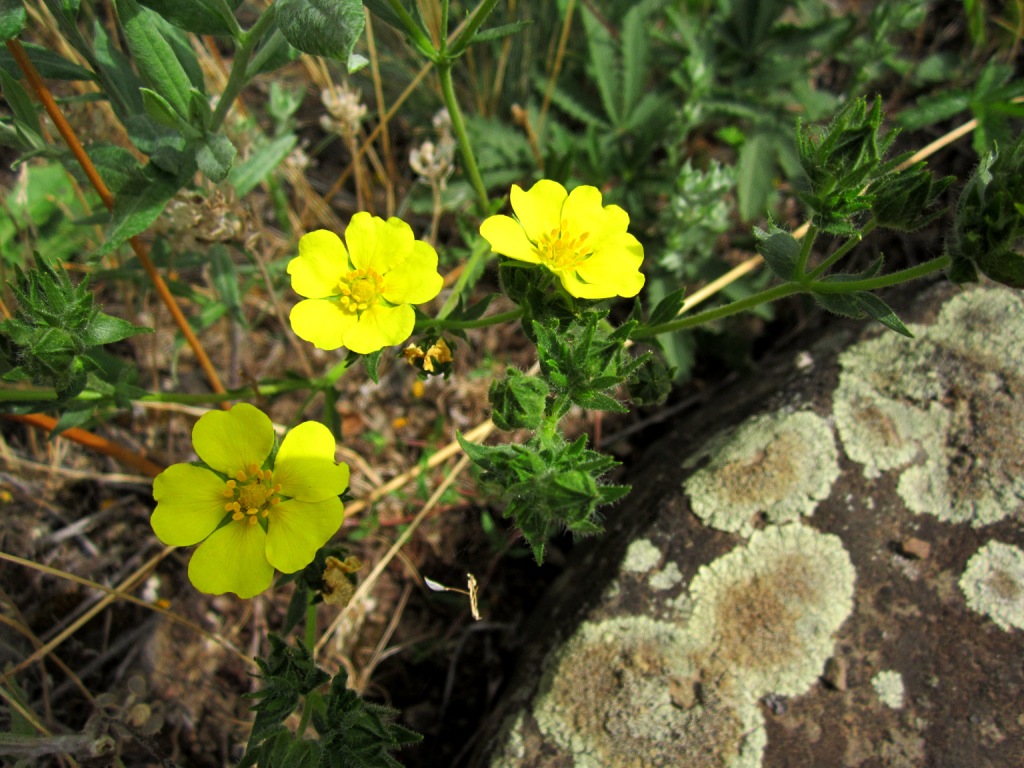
{"x": 444, "y": 75}
{"x": 414, "y": 30}
{"x": 462, "y": 42}
{"x": 842, "y": 250}
{"x": 805, "y": 251}
{"x": 480, "y": 322}
{"x": 310, "y": 641}
{"x": 682, "y": 323}
{"x": 468, "y": 272}
{"x": 884, "y": 281}
{"x": 236, "y": 80}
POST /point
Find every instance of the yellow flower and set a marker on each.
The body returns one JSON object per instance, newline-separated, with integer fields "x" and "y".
{"x": 360, "y": 298}
{"x": 574, "y": 236}
{"x": 251, "y": 515}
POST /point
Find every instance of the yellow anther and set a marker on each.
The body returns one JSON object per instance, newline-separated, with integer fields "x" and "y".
{"x": 237, "y": 516}
{"x": 252, "y": 521}
{"x": 240, "y": 476}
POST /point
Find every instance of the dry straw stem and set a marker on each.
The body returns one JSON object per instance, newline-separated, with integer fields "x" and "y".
{"x": 754, "y": 262}
{"x": 125, "y": 455}
{"x": 112, "y": 593}
{"x": 378, "y": 569}
{"x": 386, "y": 118}
{"x": 71, "y": 139}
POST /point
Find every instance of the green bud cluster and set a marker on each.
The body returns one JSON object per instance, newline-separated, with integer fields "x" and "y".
{"x": 989, "y": 229}
{"x": 54, "y": 338}
{"x": 549, "y": 484}
{"x": 849, "y": 175}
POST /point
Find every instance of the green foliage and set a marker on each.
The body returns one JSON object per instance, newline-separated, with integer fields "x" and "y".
{"x": 518, "y": 401}
{"x": 548, "y": 485}
{"x": 849, "y": 174}
{"x": 584, "y": 360}
{"x": 12, "y": 18}
{"x": 989, "y": 226}
{"x": 55, "y": 335}
{"x": 323, "y": 27}
{"x": 352, "y": 733}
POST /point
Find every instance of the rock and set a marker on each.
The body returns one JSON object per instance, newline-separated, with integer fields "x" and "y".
{"x": 745, "y": 607}
{"x": 915, "y": 548}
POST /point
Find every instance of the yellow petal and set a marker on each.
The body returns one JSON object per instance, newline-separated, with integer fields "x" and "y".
{"x": 380, "y": 327}
{"x": 584, "y": 290}
{"x": 305, "y": 465}
{"x": 507, "y": 237}
{"x": 583, "y": 213}
{"x": 414, "y": 280}
{"x": 321, "y": 262}
{"x": 190, "y": 504}
{"x": 232, "y": 559}
{"x": 232, "y": 440}
{"x": 539, "y": 210}
{"x": 321, "y": 322}
{"x": 298, "y": 529}
{"x": 377, "y": 244}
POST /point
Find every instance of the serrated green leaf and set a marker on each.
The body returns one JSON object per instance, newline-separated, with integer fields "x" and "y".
{"x": 372, "y": 364}
{"x": 106, "y": 329}
{"x": 875, "y": 308}
{"x": 322, "y": 27}
{"x": 781, "y": 251}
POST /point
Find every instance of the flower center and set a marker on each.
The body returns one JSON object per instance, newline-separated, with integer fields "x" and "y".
{"x": 560, "y": 252}
{"x": 359, "y": 290}
{"x": 251, "y": 494}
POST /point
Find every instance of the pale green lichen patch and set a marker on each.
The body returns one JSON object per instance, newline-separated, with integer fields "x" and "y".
{"x": 882, "y": 433}
{"x": 666, "y": 578}
{"x": 621, "y": 693}
{"x": 943, "y": 409}
{"x": 776, "y": 466}
{"x": 765, "y": 614}
{"x": 993, "y": 584}
{"x": 888, "y": 684}
{"x": 641, "y": 557}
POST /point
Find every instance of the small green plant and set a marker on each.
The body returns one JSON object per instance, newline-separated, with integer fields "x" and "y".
{"x": 618, "y": 214}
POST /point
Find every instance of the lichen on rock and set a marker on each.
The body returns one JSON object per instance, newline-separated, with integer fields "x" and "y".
{"x": 765, "y": 613}
{"x": 620, "y": 693}
{"x": 993, "y": 584}
{"x": 944, "y": 409}
{"x": 888, "y": 684}
{"x": 778, "y": 466}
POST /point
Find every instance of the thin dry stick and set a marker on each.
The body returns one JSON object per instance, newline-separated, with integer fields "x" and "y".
{"x": 71, "y": 139}
{"x": 125, "y": 455}
{"x": 128, "y": 598}
{"x": 120, "y": 591}
{"x": 385, "y": 119}
{"x": 385, "y": 135}
{"x": 556, "y": 69}
{"x": 378, "y": 569}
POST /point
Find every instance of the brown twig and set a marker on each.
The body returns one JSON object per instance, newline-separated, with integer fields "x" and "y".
{"x": 71, "y": 139}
